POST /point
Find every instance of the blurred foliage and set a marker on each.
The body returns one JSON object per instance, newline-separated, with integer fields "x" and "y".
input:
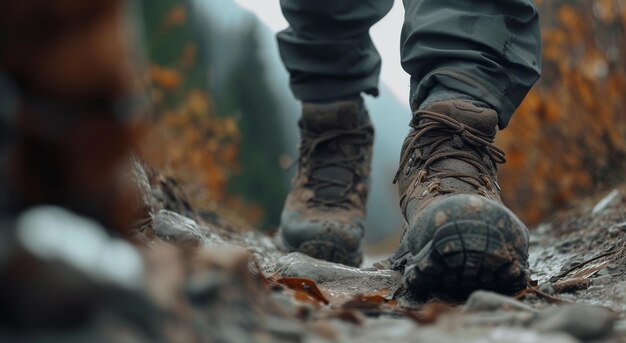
{"x": 189, "y": 140}
{"x": 568, "y": 137}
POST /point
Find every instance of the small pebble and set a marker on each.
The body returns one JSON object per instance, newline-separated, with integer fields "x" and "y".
{"x": 171, "y": 224}
{"x": 490, "y": 301}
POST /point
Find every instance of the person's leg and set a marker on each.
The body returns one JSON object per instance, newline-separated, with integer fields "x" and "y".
{"x": 488, "y": 49}
{"x": 327, "y": 48}
{"x": 471, "y": 64}
{"x": 331, "y": 59}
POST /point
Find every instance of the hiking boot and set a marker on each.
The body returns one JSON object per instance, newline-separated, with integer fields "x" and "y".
{"x": 324, "y": 213}
{"x": 458, "y": 236}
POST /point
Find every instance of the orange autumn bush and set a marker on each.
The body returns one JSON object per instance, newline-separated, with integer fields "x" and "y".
{"x": 568, "y": 138}
{"x": 200, "y": 150}
{"x": 189, "y": 141}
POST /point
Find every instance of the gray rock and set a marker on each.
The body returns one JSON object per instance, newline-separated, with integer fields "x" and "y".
{"x": 170, "y": 225}
{"x": 55, "y": 234}
{"x": 581, "y": 321}
{"x": 490, "y": 301}
{"x": 338, "y": 277}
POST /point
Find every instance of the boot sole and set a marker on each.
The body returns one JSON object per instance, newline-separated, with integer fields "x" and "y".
{"x": 464, "y": 256}
{"x": 326, "y": 251}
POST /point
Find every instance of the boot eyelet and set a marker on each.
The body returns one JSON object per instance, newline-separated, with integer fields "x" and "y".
{"x": 424, "y": 194}
{"x": 432, "y": 187}
{"x": 421, "y": 175}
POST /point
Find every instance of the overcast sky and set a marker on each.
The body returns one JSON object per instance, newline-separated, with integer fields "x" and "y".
{"x": 386, "y": 36}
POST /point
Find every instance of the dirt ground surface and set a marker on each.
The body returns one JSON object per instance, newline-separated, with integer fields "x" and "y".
{"x": 205, "y": 280}
{"x": 577, "y": 292}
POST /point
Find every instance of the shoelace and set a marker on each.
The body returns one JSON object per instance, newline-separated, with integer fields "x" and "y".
{"x": 443, "y": 128}
{"x": 311, "y": 142}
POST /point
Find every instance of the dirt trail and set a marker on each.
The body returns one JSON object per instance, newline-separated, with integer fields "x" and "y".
{"x": 205, "y": 280}
{"x": 578, "y": 261}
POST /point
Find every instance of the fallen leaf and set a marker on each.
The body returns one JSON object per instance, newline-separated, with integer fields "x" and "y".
{"x": 304, "y": 286}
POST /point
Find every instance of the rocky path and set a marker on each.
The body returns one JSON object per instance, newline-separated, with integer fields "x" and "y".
{"x": 578, "y": 293}
{"x": 192, "y": 277}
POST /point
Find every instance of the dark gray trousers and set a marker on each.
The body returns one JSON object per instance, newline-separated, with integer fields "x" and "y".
{"x": 488, "y": 49}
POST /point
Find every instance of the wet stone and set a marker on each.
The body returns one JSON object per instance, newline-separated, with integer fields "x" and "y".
{"x": 581, "y": 321}
{"x": 490, "y": 301}
{"x": 340, "y": 278}
{"x": 173, "y": 226}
